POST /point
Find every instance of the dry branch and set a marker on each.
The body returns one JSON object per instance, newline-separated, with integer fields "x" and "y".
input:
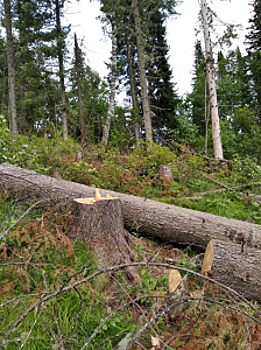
{"x": 42, "y": 300}
{"x": 153, "y": 219}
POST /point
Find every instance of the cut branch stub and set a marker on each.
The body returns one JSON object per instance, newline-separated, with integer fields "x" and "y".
{"x": 235, "y": 266}
{"x": 98, "y": 221}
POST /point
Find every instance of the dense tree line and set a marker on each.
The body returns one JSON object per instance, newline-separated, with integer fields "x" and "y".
{"x": 43, "y": 86}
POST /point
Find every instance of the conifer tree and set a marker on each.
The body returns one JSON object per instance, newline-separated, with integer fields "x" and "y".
{"x": 253, "y": 41}
{"x": 142, "y": 70}
{"x": 79, "y": 69}
{"x": 198, "y": 95}
{"x": 163, "y": 98}
{"x": 12, "y": 107}
{"x": 3, "y": 75}
{"x": 60, "y": 34}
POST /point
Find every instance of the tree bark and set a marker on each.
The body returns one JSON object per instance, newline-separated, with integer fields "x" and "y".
{"x": 60, "y": 43}
{"x": 152, "y": 219}
{"x": 143, "y": 80}
{"x": 12, "y": 113}
{"x": 217, "y": 144}
{"x": 99, "y": 223}
{"x": 106, "y": 127}
{"x": 133, "y": 87}
{"x": 236, "y": 266}
{"x": 79, "y": 90}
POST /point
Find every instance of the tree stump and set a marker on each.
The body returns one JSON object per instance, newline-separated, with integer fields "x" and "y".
{"x": 236, "y": 266}
{"x": 166, "y": 172}
{"x": 98, "y": 221}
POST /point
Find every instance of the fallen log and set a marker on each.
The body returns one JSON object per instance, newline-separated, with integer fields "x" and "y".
{"x": 235, "y": 266}
{"x": 152, "y": 219}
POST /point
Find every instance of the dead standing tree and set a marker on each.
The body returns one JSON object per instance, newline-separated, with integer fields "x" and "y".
{"x": 217, "y": 144}
{"x": 113, "y": 78}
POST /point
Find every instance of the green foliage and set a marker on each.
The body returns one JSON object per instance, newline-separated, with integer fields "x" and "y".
{"x": 50, "y": 262}
{"x": 17, "y": 150}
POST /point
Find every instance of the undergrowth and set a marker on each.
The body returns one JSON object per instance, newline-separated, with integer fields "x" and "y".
{"x": 42, "y": 270}
{"x": 38, "y": 261}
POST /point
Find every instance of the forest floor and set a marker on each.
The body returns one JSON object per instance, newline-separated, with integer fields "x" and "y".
{"x": 52, "y": 296}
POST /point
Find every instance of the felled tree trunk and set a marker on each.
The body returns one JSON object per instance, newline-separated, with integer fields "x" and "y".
{"x": 98, "y": 221}
{"x": 152, "y": 219}
{"x": 235, "y": 266}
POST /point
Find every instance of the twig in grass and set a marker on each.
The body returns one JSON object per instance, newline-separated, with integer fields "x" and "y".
{"x": 116, "y": 268}
{"x": 79, "y": 311}
{"x": 3, "y": 234}
{"x": 29, "y": 333}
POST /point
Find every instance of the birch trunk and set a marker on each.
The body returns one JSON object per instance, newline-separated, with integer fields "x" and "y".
{"x": 61, "y": 70}
{"x": 106, "y": 127}
{"x": 142, "y": 71}
{"x": 218, "y": 150}
{"x": 12, "y": 114}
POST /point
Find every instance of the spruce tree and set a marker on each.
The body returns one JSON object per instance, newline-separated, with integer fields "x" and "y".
{"x": 12, "y": 107}
{"x": 253, "y": 41}
{"x": 163, "y": 97}
{"x": 198, "y": 96}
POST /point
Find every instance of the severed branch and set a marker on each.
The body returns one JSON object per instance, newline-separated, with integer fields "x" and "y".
{"x": 256, "y": 198}
{"x": 119, "y": 267}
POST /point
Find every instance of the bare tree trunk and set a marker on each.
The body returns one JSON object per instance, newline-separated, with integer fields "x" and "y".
{"x": 60, "y": 43}
{"x": 79, "y": 91}
{"x": 12, "y": 114}
{"x": 206, "y": 119}
{"x": 143, "y": 80}
{"x": 133, "y": 91}
{"x": 218, "y": 150}
{"x": 23, "y": 122}
{"x": 106, "y": 127}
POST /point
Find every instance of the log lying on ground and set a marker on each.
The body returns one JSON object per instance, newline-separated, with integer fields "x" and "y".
{"x": 235, "y": 266}
{"x": 98, "y": 221}
{"x": 152, "y": 219}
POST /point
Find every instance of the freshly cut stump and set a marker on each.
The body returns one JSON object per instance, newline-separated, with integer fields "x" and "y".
{"x": 236, "y": 266}
{"x": 98, "y": 221}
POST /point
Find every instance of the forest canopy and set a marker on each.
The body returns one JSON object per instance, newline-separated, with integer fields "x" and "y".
{"x": 48, "y": 88}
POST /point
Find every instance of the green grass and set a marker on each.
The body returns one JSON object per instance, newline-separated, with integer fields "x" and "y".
{"x": 70, "y": 318}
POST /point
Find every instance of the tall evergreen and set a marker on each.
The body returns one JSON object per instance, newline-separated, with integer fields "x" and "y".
{"x": 233, "y": 84}
{"x": 253, "y": 41}
{"x": 12, "y": 107}
{"x": 143, "y": 60}
{"x": 163, "y": 98}
{"x": 198, "y": 96}
{"x": 28, "y": 26}
{"x": 94, "y": 95}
